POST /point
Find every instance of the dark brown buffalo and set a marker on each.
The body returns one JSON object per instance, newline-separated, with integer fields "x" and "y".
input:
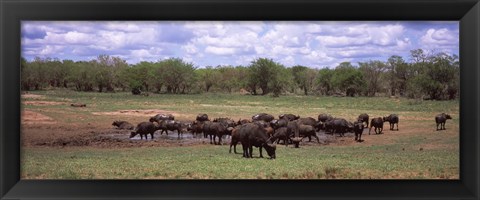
{"x": 276, "y": 124}
{"x": 307, "y": 131}
{"x": 235, "y": 139}
{"x": 160, "y": 117}
{"x": 171, "y": 125}
{"x": 378, "y": 124}
{"x": 254, "y": 135}
{"x": 289, "y": 117}
{"x": 227, "y": 122}
{"x": 322, "y": 118}
{"x": 123, "y": 125}
{"x": 243, "y": 121}
{"x": 202, "y": 117}
{"x": 363, "y": 118}
{"x": 195, "y": 127}
{"x": 263, "y": 117}
{"x": 440, "y": 119}
{"x": 144, "y": 128}
{"x": 281, "y": 134}
{"x": 338, "y": 125}
{"x": 216, "y": 129}
{"x": 358, "y": 127}
{"x": 392, "y": 120}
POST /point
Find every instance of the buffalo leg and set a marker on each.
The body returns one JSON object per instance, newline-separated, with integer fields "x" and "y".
{"x": 250, "y": 151}
{"x": 318, "y": 139}
{"x": 230, "y": 151}
{"x": 260, "y": 148}
{"x": 219, "y": 140}
{"x": 245, "y": 151}
{"x": 151, "y": 134}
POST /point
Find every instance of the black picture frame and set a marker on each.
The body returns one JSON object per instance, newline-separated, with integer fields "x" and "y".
{"x": 14, "y": 11}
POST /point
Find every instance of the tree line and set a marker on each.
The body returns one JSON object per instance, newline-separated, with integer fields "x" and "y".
{"x": 425, "y": 76}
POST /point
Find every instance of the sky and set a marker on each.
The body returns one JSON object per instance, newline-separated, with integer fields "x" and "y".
{"x": 315, "y": 44}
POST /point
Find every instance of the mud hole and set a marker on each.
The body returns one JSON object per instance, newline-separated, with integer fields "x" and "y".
{"x": 91, "y": 136}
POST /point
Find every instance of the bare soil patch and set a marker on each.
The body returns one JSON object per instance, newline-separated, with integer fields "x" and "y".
{"x": 43, "y": 103}
{"x": 30, "y": 117}
{"x": 139, "y": 113}
{"x": 32, "y": 96}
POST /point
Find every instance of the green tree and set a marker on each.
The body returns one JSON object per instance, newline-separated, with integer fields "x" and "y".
{"x": 263, "y": 73}
{"x": 324, "y": 81}
{"x": 348, "y": 79}
{"x": 372, "y": 72}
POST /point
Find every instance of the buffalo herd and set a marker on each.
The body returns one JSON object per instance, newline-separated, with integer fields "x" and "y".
{"x": 264, "y": 131}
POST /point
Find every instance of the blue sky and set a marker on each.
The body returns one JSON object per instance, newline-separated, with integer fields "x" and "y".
{"x": 309, "y": 43}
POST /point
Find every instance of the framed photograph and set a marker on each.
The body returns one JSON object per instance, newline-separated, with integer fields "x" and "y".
{"x": 161, "y": 99}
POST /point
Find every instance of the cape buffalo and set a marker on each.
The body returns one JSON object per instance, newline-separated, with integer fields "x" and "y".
{"x": 276, "y": 124}
{"x": 281, "y": 134}
{"x": 160, "y": 117}
{"x": 392, "y": 120}
{"x": 243, "y": 121}
{"x": 202, "y": 117}
{"x": 195, "y": 127}
{"x": 307, "y": 131}
{"x": 378, "y": 124}
{"x": 262, "y": 116}
{"x": 254, "y": 135}
{"x": 338, "y": 125}
{"x": 123, "y": 125}
{"x": 227, "y": 122}
{"x": 216, "y": 129}
{"x": 144, "y": 128}
{"x": 171, "y": 125}
{"x": 358, "y": 127}
{"x": 363, "y": 118}
{"x": 322, "y": 118}
{"x": 235, "y": 139}
{"x": 440, "y": 119}
{"x": 289, "y": 117}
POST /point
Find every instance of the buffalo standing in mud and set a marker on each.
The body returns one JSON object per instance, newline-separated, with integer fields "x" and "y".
{"x": 171, "y": 125}
{"x": 281, "y": 134}
{"x": 254, "y": 135}
{"x": 123, "y": 125}
{"x": 378, "y": 124}
{"x": 338, "y": 125}
{"x": 216, "y": 129}
{"x": 195, "y": 127}
{"x": 144, "y": 128}
{"x": 392, "y": 120}
{"x": 440, "y": 119}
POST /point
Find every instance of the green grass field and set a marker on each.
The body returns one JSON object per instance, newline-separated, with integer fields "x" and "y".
{"x": 417, "y": 151}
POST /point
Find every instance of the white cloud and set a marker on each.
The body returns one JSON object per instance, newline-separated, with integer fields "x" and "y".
{"x": 439, "y": 37}
{"x": 220, "y": 50}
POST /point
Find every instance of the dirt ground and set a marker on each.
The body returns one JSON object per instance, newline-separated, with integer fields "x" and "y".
{"x": 41, "y": 130}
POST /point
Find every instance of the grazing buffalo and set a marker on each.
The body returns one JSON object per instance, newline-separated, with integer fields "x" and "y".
{"x": 363, "y": 118}
{"x": 358, "y": 127}
{"x": 309, "y": 121}
{"x": 307, "y": 131}
{"x": 202, "y": 117}
{"x": 144, "y": 128}
{"x": 123, "y": 125}
{"x": 160, "y": 117}
{"x": 254, "y": 135}
{"x": 216, "y": 129}
{"x": 378, "y": 124}
{"x": 171, "y": 125}
{"x": 281, "y": 134}
{"x": 440, "y": 119}
{"x": 289, "y": 117}
{"x": 262, "y": 117}
{"x": 392, "y": 120}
